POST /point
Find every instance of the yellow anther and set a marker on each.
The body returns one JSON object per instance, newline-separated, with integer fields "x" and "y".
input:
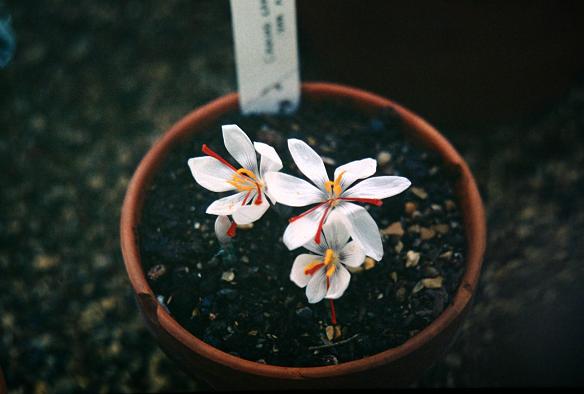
{"x": 329, "y": 256}
{"x": 335, "y": 186}
{"x": 246, "y": 172}
{"x": 331, "y": 270}
{"x": 240, "y": 185}
{"x": 329, "y": 261}
{"x": 243, "y": 180}
{"x": 328, "y": 185}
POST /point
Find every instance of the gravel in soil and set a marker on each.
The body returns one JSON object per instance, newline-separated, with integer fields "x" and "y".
{"x": 240, "y": 298}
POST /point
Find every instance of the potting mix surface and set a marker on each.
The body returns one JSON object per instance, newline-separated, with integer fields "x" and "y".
{"x": 239, "y": 298}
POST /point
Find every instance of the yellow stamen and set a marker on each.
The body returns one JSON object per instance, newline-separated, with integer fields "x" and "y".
{"x": 335, "y": 186}
{"x": 329, "y": 261}
{"x": 246, "y": 172}
{"x": 244, "y": 180}
{"x": 331, "y": 270}
{"x": 329, "y": 256}
{"x": 241, "y": 185}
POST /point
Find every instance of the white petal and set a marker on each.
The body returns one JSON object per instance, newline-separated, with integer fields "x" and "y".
{"x": 316, "y": 288}
{"x": 250, "y": 213}
{"x": 269, "y": 159}
{"x": 316, "y": 248}
{"x": 308, "y": 162}
{"x": 378, "y": 187}
{"x": 354, "y": 170}
{"x": 240, "y": 147}
{"x": 222, "y": 224}
{"x": 272, "y": 198}
{"x": 227, "y": 205}
{"x": 292, "y": 191}
{"x": 352, "y": 255}
{"x": 297, "y": 274}
{"x": 300, "y": 231}
{"x": 211, "y": 173}
{"x": 338, "y": 282}
{"x": 363, "y": 229}
{"x": 335, "y": 232}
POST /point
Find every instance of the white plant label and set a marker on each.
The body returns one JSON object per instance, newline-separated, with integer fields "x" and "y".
{"x": 266, "y": 54}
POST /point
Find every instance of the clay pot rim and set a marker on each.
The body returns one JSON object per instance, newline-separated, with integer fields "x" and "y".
{"x": 469, "y": 200}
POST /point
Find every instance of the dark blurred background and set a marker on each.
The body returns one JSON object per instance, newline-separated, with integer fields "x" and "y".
{"x": 93, "y": 83}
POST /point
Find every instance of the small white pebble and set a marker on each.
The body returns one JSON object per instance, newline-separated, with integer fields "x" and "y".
{"x": 328, "y": 160}
{"x": 383, "y": 158}
{"x": 418, "y": 191}
{"x": 412, "y": 258}
{"x": 432, "y": 283}
{"x": 228, "y": 276}
{"x": 330, "y": 332}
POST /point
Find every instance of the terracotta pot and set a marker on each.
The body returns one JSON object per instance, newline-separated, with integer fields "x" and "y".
{"x": 461, "y": 63}
{"x": 393, "y": 367}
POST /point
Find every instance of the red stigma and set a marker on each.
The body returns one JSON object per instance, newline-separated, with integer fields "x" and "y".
{"x": 231, "y": 230}
{"x": 206, "y": 150}
{"x": 372, "y": 201}
{"x": 320, "y": 224}
{"x": 246, "y": 197}
{"x": 312, "y": 270}
{"x": 294, "y": 218}
{"x": 258, "y": 200}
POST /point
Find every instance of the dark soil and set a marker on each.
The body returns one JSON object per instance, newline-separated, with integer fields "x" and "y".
{"x": 240, "y": 299}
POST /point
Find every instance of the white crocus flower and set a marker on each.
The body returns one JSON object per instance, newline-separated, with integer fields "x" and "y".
{"x": 332, "y": 196}
{"x": 323, "y": 273}
{"x": 215, "y": 173}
